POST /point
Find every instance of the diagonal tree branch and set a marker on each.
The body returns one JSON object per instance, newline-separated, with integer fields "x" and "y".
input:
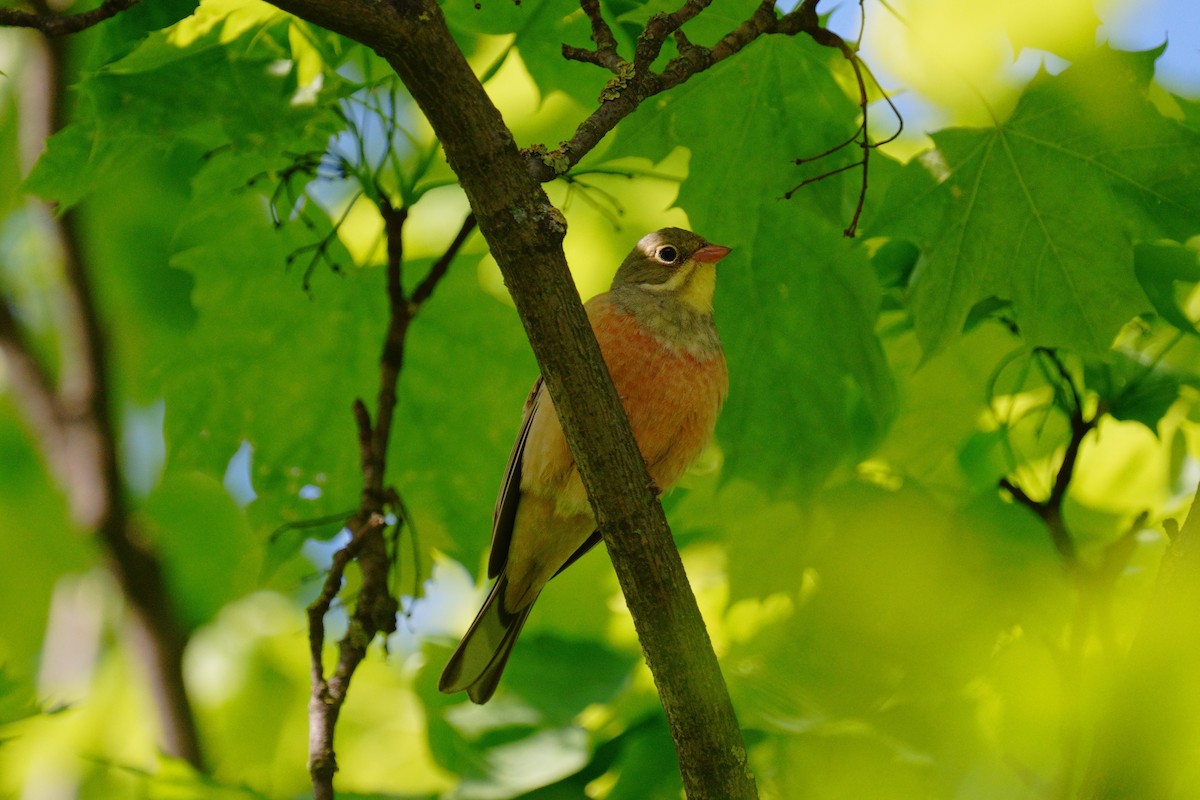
{"x": 525, "y": 233}
{"x": 1050, "y": 510}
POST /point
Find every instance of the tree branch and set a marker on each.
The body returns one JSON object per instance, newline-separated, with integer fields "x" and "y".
{"x": 75, "y": 431}
{"x": 525, "y": 233}
{"x": 33, "y": 388}
{"x": 61, "y": 25}
{"x": 1050, "y": 510}
{"x": 636, "y": 81}
{"x": 375, "y": 609}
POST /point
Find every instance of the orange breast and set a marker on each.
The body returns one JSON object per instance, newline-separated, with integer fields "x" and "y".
{"x": 671, "y": 398}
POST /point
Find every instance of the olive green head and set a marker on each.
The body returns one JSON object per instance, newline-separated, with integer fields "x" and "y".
{"x": 673, "y": 263}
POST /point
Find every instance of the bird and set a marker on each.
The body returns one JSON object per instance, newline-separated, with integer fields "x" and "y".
{"x": 656, "y": 333}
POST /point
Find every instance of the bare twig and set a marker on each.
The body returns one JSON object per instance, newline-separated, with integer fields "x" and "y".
{"x": 60, "y": 25}
{"x": 861, "y": 136}
{"x": 375, "y": 610}
{"x": 1050, "y": 510}
{"x": 635, "y": 81}
{"x": 605, "y": 55}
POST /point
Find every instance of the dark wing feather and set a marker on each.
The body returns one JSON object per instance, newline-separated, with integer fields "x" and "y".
{"x": 505, "y": 513}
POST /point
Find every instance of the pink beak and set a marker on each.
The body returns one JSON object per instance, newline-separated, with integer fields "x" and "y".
{"x": 710, "y": 254}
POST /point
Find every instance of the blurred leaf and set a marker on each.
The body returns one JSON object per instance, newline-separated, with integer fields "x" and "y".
{"x": 17, "y": 700}
{"x": 1160, "y": 267}
{"x": 204, "y": 81}
{"x": 942, "y": 399}
{"x": 38, "y": 536}
{"x": 560, "y": 678}
{"x": 540, "y": 28}
{"x": 894, "y": 262}
{"x": 235, "y": 378}
{"x": 905, "y": 603}
{"x": 210, "y": 555}
{"x": 772, "y": 539}
{"x": 467, "y": 372}
{"x": 1044, "y": 208}
{"x": 639, "y": 766}
{"x": 122, "y": 33}
{"x": 127, "y": 231}
{"x": 1133, "y": 390}
{"x": 10, "y": 164}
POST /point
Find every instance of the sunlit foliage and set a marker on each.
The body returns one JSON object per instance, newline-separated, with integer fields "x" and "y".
{"x": 891, "y": 622}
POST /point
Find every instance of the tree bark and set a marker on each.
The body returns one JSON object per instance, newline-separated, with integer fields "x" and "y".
{"x": 525, "y": 233}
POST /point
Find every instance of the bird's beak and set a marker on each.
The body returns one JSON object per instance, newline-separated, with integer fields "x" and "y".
{"x": 710, "y": 254}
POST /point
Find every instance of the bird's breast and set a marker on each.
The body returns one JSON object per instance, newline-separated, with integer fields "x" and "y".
{"x": 671, "y": 396}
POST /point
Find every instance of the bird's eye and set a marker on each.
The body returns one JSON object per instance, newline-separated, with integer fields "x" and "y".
{"x": 666, "y": 254}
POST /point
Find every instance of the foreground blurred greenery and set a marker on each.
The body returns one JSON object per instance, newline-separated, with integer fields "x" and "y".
{"x": 890, "y": 622}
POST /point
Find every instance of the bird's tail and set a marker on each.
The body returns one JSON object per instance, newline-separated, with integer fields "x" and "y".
{"x": 479, "y": 661}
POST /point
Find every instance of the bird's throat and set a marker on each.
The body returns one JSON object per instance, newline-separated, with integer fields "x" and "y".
{"x": 679, "y": 317}
{"x": 697, "y": 289}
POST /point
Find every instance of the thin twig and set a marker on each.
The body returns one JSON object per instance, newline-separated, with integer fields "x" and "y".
{"x": 1050, "y": 510}
{"x": 636, "y": 80}
{"x": 375, "y": 607}
{"x": 861, "y": 136}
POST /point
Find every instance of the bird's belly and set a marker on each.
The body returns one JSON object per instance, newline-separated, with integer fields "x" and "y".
{"x": 672, "y": 403}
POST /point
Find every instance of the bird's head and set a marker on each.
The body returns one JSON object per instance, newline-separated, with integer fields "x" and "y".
{"x": 673, "y": 264}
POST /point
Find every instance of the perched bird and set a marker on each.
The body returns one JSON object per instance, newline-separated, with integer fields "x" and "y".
{"x": 656, "y": 333}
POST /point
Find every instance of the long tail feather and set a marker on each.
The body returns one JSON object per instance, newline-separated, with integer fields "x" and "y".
{"x": 478, "y": 663}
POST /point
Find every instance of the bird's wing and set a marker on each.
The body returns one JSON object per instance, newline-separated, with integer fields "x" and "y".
{"x": 505, "y": 512}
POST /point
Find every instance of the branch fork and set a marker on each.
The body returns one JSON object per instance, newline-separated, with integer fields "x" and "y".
{"x": 376, "y": 607}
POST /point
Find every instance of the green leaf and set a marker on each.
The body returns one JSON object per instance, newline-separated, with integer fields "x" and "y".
{"x": 942, "y": 399}
{"x": 10, "y": 162}
{"x": 212, "y": 80}
{"x": 40, "y": 542}
{"x": 210, "y": 555}
{"x": 1044, "y": 208}
{"x": 467, "y": 372}
{"x": 237, "y": 376}
{"x": 894, "y": 262}
{"x": 539, "y": 29}
{"x": 1160, "y": 267}
{"x": 560, "y": 677}
{"x": 1133, "y": 390}
{"x": 802, "y": 325}
{"x": 643, "y": 750}
{"x": 17, "y": 700}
